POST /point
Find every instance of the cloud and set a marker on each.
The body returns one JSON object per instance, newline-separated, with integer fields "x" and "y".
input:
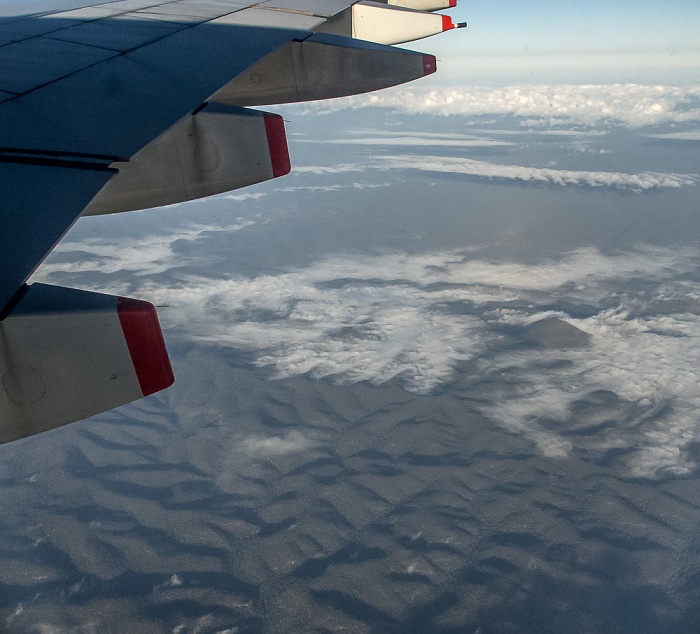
{"x": 375, "y": 133}
{"x": 648, "y": 362}
{"x": 418, "y": 318}
{"x": 331, "y": 188}
{"x": 470, "y": 167}
{"x": 244, "y": 196}
{"x": 428, "y": 320}
{"x": 150, "y": 254}
{"x": 261, "y": 447}
{"x": 643, "y": 181}
{"x": 547, "y": 132}
{"x": 359, "y": 331}
{"x": 415, "y": 141}
{"x": 676, "y": 136}
{"x": 329, "y": 169}
{"x": 633, "y": 105}
{"x": 240, "y": 459}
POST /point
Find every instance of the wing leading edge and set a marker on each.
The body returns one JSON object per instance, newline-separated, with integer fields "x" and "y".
{"x": 116, "y": 106}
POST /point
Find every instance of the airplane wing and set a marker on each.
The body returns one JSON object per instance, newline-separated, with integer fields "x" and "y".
{"x": 115, "y": 106}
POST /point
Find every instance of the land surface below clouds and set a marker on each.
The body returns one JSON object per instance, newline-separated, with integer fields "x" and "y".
{"x": 441, "y": 378}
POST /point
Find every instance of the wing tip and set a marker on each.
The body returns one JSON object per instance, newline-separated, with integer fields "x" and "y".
{"x": 144, "y": 339}
{"x": 429, "y": 64}
{"x": 277, "y": 143}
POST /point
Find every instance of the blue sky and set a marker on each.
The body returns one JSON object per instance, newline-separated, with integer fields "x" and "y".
{"x": 591, "y": 41}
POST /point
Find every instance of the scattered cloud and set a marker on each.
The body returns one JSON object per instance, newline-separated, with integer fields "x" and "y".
{"x": 418, "y": 319}
{"x": 485, "y": 169}
{"x": 633, "y": 105}
{"x": 547, "y": 132}
{"x": 329, "y": 169}
{"x": 448, "y": 318}
{"x": 331, "y": 188}
{"x": 261, "y": 447}
{"x": 241, "y": 458}
{"x": 446, "y": 136}
{"x": 643, "y": 181}
{"x": 676, "y": 136}
{"x": 415, "y": 141}
{"x": 244, "y": 196}
{"x": 150, "y": 254}
{"x": 645, "y": 361}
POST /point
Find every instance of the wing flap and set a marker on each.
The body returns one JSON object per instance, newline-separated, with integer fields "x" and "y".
{"x": 387, "y": 23}
{"x": 261, "y": 17}
{"x": 323, "y": 67}
{"x": 67, "y": 354}
{"x": 323, "y": 8}
{"x": 215, "y": 150}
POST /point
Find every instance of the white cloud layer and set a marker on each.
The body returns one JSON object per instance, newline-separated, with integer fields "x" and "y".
{"x": 329, "y": 169}
{"x": 643, "y": 181}
{"x": 152, "y": 255}
{"x": 414, "y": 140}
{"x": 390, "y": 317}
{"x": 418, "y": 318}
{"x": 677, "y": 136}
{"x": 633, "y": 105}
{"x": 244, "y": 457}
{"x": 470, "y": 167}
{"x": 266, "y": 446}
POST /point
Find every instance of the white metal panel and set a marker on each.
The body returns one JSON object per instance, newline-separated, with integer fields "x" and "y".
{"x": 143, "y": 16}
{"x": 393, "y": 25}
{"x": 324, "y": 8}
{"x": 12, "y": 8}
{"x": 423, "y": 5}
{"x": 37, "y": 61}
{"x": 132, "y": 5}
{"x": 270, "y": 18}
{"x": 38, "y": 387}
{"x": 84, "y": 14}
{"x": 187, "y": 8}
{"x": 324, "y": 67}
{"x": 219, "y": 149}
{"x": 67, "y": 354}
{"x": 223, "y": 6}
{"x": 167, "y": 17}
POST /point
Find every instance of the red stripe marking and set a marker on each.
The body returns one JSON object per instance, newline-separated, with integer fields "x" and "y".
{"x": 277, "y": 142}
{"x": 453, "y": 3}
{"x": 144, "y": 339}
{"x": 429, "y": 65}
{"x": 447, "y": 23}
